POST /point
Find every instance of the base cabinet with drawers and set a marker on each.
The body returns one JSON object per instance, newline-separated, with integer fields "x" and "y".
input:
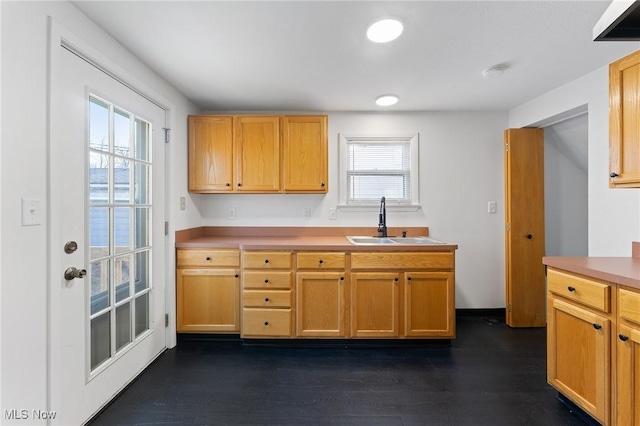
{"x": 208, "y": 291}
{"x": 267, "y": 297}
{"x": 316, "y": 294}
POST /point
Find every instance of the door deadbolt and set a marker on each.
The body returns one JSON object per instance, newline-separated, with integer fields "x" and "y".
{"x": 71, "y": 273}
{"x": 70, "y": 247}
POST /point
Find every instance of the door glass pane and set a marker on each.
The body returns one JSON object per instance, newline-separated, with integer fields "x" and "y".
{"x": 141, "y": 187}
{"x": 142, "y": 313}
{"x": 99, "y": 232}
{"x": 100, "y": 339}
{"x": 99, "y": 129}
{"x": 142, "y": 271}
{"x": 142, "y": 140}
{"x": 142, "y": 227}
{"x": 123, "y": 289}
{"x": 98, "y": 178}
{"x": 121, "y": 133}
{"x": 123, "y": 325}
{"x": 100, "y": 292}
{"x": 121, "y": 226}
{"x": 121, "y": 172}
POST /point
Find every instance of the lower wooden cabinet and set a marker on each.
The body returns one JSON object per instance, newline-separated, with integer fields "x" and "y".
{"x": 579, "y": 356}
{"x": 375, "y": 304}
{"x": 320, "y": 305}
{"x": 429, "y": 309}
{"x": 207, "y": 298}
{"x": 628, "y": 375}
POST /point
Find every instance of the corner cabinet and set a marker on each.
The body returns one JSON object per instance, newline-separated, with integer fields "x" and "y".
{"x": 258, "y": 154}
{"x": 208, "y": 291}
{"x": 624, "y": 122}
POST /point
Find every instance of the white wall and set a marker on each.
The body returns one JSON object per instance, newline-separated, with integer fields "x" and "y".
{"x": 614, "y": 214}
{"x": 566, "y": 187}
{"x": 461, "y": 169}
{"x": 23, "y": 173}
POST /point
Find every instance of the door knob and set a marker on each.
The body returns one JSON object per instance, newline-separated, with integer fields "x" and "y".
{"x": 71, "y": 273}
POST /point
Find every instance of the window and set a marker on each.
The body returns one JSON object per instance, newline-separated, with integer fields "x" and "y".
{"x": 376, "y": 167}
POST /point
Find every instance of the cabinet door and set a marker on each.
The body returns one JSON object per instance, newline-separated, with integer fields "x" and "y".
{"x": 210, "y": 154}
{"x": 304, "y": 153}
{"x": 257, "y": 153}
{"x": 320, "y": 304}
{"x": 429, "y": 304}
{"x": 624, "y": 122}
{"x": 374, "y": 304}
{"x": 628, "y": 376}
{"x": 579, "y": 357}
{"x": 208, "y": 300}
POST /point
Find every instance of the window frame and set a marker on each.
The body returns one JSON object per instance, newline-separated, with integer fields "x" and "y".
{"x": 414, "y": 162}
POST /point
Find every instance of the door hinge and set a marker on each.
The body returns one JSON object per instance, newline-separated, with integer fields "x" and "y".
{"x": 506, "y": 147}
{"x": 166, "y": 228}
{"x": 166, "y": 134}
{"x": 509, "y": 307}
{"x": 166, "y": 320}
{"x": 507, "y": 226}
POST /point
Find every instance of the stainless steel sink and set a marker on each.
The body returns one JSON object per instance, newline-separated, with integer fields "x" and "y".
{"x": 372, "y": 241}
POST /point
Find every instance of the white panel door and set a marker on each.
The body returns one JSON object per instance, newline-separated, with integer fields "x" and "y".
{"x": 107, "y": 202}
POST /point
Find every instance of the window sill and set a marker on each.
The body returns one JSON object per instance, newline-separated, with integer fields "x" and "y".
{"x": 376, "y": 207}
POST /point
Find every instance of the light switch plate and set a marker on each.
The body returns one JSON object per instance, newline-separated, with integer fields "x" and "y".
{"x": 492, "y": 207}
{"x": 30, "y": 212}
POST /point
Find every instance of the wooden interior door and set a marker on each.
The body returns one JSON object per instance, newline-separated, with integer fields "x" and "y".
{"x": 524, "y": 230}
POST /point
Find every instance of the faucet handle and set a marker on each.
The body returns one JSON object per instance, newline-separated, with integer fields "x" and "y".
{"x": 404, "y": 234}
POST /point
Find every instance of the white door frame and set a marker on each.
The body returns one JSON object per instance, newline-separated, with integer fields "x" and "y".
{"x": 60, "y": 36}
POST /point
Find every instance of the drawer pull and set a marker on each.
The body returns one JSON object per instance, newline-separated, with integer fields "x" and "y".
{"x": 266, "y": 261}
{"x": 266, "y": 299}
{"x": 408, "y": 278}
{"x": 320, "y": 261}
{"x": 395, "y": 279}
{"x": 266, "y": 323}
{"x": 623, "y": 337}
{"x": 341, "y": 278}
{"x": 571, "y": 288}
{"x": 613, "y": 175}
{"x": 266, "y": 281}
{"x": 597, "y": 326}
{"x": 236, "y": 275}
{"x": 207, "y": 258}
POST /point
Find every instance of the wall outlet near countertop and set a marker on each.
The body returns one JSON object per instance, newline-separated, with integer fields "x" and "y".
{"x": 307, "y": 213}
{"x": 333, "y": 215}
{"x": 231, "y": 215}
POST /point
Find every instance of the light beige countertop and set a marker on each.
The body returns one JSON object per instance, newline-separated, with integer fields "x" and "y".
{"x": 289, "y": 238}
{"x": 620, "y": 270}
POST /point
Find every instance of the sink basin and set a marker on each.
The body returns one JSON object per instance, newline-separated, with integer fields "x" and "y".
{"x": 392, "y": 240}
{"x": 417, "y": 240}
{"x": 370, "y": 240}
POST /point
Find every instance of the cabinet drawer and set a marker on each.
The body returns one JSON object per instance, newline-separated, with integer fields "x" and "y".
{"x": 588, "y": 291}
{"x": 266, "y": 298}
{"x": 267, "y": 259}
{"x": 267, "y": 279}
{"x": 267, "y": 322}
{"x": 400, "y": 260}
{"x": 320, "y": 260}
{"x": 207, "y": 258}
{"x": 629, "y": 305}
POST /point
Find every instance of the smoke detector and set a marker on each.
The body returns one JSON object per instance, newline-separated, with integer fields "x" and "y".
{"x": 494, "y": 71}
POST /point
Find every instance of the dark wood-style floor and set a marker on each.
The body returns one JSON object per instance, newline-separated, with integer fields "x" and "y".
{"x": 490, "y": 375}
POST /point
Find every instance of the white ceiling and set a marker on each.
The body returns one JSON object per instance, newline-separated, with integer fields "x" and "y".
{"x": 314, "y": 55}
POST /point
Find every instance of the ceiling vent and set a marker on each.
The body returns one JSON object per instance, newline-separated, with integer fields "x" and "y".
{"x": 620, "y": 22}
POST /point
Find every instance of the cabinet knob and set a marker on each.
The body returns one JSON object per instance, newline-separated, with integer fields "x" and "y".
{"x": 395, "y": 279}
{"x": 322, "y": 184}
{"x": 236, "y": 275}
{"x": 408, "y": 278}
{"x": 571, "y": 288}
{"x": 529, "y": 236}
{"x": 623, "y": 337}
{"x": 266, "y": 323}
{"x": 266, "y": 261}
{"x": 239, "y": 184}
{"x": 266, "y": 299}
{"x": 341, "y": 278}
{"x": 320, "y": 261}
{"x": 228, "y": 184}
{"x": 207, "y": 258}
{"x": 613, "y": 175}
{"x": 266, "y": 281}
{"x": 597, "y": 326}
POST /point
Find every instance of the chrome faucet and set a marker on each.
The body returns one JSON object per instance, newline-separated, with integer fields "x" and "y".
{"x": 382, "y": 219}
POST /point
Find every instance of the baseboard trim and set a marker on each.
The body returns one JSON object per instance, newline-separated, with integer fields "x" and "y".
{"x": 493, "y": 313}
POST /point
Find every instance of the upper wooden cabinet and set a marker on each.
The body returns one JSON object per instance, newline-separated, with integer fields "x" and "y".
{"x": 258, "y": 154}
{"x": 624, "y": 122}
{"x": 304, "y": 153}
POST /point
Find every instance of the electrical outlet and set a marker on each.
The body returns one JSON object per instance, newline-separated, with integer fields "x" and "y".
{"x": 333, "y": 215}
{"x": 492, "y": 207}
{"x": 232, "y": 213}
{"x": 183, "y": 203}
{"x": 307, "y": 213}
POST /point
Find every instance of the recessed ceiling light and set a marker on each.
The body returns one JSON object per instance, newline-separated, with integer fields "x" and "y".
{"x": 494, "y": 71}
{"x": 385, "y": 30}
{"x": 386, "y": 100}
